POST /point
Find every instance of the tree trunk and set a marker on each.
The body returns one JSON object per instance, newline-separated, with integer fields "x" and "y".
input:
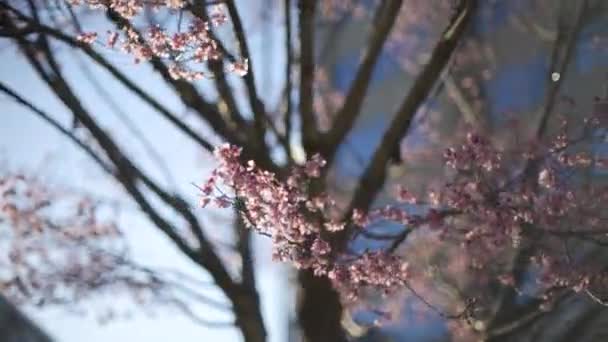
{"x": 15, "y": 327}
{"x": 320, "y": 310}
{"x": 248, "y": 315}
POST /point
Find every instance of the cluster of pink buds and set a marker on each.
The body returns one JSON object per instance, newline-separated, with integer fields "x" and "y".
{"x": 477, "y": 151}
{"x": 299, "y": 225}
{"x": 543, "y": 197}
{"x": 487, "y": 206}
{"x": 59, "y": 246}
{"x": 184, "y": 49}
{"x": 129, "y": 8}
{"x": 56, "y": 247}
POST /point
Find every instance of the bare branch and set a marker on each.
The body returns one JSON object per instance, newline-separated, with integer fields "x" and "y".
{"x": 244, "y": 248}
{"x": 287, "y": 120}
{"x": 307, "y": 74}
{"x": 131, "y": 126}
{"x": 257, "y": 106}
{"x": 67, "y": 133}
{"x": 385, "y": 18}
{"x": 562, "y": 51}
{"x": 217, "y": 68}
{"x": 375, "y": 174}
{"x": 521, "y": 322}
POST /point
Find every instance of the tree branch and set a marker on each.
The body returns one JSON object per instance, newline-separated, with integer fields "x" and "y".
{"x": 188, "y": 93}
{"x": 64, "y": 131}
{"x": 374, "y": 176}
{"x": 244, "y": 299}
{"x": 199, "y": 9}
{"x": 257, "y": 106}
{"x": 307, "y": 74}
{"x": 287, "y": 120}
{"x": 37, "y": 27}
{"x": 126, "y": 120}
{"x": 385, "y": 18}
{"x": 564, "y": 44}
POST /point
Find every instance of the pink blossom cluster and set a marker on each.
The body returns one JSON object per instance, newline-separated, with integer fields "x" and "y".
{"x": 272, "y": 207}
{"x": 474, "y": 153}
{"x": 59, "y": 246}
{"x": 559, "y": 273}
{"x": 497, "y": 204}
{"x": 378, "y": 270}
{"x": 129, "y": 8}
{"x": 183, "y": 49}
{"x": 54, "y": 247}
{"x": 298, "y": 224}
{"x": 493, "y": 202}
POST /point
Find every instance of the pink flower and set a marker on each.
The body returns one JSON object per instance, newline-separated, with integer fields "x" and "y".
{"x": 239, "y": 68}
{"x": 223, "y": 201}
{"x": 112, "y": 39}
{"x": 403, "y": 195}
{"x": 87, "y": 37}
{"x": 204, "y": 201}
{"x": 359, "y": 218}
{"x": 334, "y": 226}
{"x": 483, "y": 208}
{"x": 175, "y": 4}
{"x": 313, "y": 167}
{"x": 218, "y": 16}
{"x": 546, "y": 178}
{"x": 183, "y": 51}
{"x": 320, "y": 247}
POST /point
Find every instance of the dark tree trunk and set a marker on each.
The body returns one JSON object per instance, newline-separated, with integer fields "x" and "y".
{"x": 320, "y": 310}
{"x": 249, "y": 316}
{"x": 15, "y": 327}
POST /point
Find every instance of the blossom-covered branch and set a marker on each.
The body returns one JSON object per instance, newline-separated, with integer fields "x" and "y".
{"x": 486, "y": 207}
{"x": 297, "y": 224}
{"x": 61, "y": 248}
{"x": 183, "y": 48}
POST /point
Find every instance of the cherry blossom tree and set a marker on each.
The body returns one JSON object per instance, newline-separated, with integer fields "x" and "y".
{"x": 509, "y": 234}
